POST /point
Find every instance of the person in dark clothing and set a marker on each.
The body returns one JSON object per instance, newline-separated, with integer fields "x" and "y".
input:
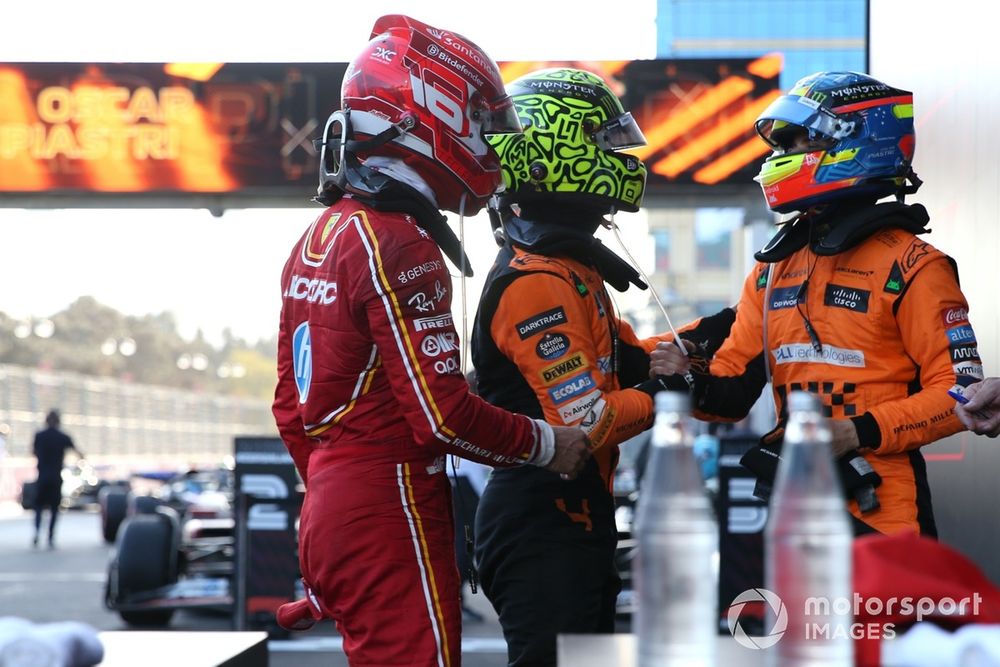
{"x": 50, "y": 449}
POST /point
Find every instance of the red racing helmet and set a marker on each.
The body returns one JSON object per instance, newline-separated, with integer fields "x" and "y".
{"x": 445, "y": 93}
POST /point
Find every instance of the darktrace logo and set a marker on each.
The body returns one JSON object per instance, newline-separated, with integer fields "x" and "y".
{"x": 778, "y": 610}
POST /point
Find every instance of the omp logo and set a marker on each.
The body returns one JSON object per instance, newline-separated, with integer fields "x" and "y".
{"x": 780, "y": 618}
{"x": 556, "y": 371}
{"x": 302, "y": 360}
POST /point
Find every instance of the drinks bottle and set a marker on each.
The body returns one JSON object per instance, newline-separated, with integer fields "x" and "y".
{"x": 808, "y": 546}
{"x": 675, "y": 566}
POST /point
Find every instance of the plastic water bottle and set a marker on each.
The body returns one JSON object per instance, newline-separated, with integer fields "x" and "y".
{"x": 808, "y": 554}
{"x": 675, "y": 566}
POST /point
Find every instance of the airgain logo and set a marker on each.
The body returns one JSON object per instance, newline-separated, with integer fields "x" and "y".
{"x": 778, "y": 610}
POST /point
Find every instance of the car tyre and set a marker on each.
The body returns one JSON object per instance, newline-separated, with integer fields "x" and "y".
{"x": 146, "y": 560}
{"x": 114, "y": 507}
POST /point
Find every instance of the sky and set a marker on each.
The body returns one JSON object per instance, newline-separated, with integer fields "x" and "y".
{"x": 142, "y": 261}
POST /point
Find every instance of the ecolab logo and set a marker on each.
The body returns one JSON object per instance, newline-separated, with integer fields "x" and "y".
{"x": 952, "y": 316}
{"x": 572, "y": 387}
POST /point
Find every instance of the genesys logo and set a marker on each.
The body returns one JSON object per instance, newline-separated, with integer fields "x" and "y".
{"x": 952, "y": 316}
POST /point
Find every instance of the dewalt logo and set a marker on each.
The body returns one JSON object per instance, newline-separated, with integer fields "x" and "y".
{"x": 555, "y": 371}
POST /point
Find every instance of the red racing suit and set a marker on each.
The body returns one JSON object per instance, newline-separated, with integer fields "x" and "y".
{"x": 370, "y": 398}
{"x": 893, "y": 332}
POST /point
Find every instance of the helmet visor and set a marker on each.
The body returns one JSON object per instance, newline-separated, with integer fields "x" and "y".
{"x": 496, "y": 117}
{"x": 822, "y": 126}
{"x": 619, "y": 134}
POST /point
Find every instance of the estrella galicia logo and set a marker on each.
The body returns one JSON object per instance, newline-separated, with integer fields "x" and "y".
{"x": 576, "y": 385}
{"x": 302, "y": 361}
{"x": 552, "y": 346}
{"x": 785, "y": 297}
{"x": 540, "y": 322}
{"x": 777, "y": 608}
{"x": 850, "y": 298}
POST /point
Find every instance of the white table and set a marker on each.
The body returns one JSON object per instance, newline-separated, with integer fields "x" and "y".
{"x": 190, "y": 649}
{"x": 619, "y": 651}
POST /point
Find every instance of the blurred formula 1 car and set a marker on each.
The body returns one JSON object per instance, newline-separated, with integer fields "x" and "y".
{"x": 173, "y": 549}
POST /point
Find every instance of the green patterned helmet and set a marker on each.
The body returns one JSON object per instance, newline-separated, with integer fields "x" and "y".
{"x": 574, "y": 126}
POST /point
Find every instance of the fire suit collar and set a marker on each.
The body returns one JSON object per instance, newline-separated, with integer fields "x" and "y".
{"x": 552, "y": 239}
{"x": 837, "y": 229}
{"x": 396, "y": 196}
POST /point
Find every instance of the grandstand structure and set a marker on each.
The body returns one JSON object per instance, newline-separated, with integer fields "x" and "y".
{"x": 109, "y": 418}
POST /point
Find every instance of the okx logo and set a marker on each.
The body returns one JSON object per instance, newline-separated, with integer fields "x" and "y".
{"x": 777, "y": 608}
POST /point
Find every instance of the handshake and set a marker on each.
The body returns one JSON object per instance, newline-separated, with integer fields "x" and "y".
{"x": 572, "y": 449}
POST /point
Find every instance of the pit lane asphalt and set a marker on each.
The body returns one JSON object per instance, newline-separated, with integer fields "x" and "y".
{"x": 67, "y": 583}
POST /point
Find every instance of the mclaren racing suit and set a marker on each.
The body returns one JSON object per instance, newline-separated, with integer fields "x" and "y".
{"x": 370, "y": 399}
{"x": 548, "y": 343}
{"x": 879, "y": 330}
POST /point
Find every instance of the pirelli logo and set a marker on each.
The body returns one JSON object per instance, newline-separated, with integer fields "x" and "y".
{"x": 565, "y": 367}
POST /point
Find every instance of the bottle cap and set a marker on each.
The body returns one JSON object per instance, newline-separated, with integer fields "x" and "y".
{"x": 673, "y": 401}
{"x": 803, "y": 401}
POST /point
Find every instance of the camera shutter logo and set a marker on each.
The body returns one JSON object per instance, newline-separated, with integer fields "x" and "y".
{"x": 757, "y": 595}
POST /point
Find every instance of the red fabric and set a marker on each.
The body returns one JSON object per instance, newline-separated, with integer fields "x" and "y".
{"x": 377, "y": 550}
{"x": 907, "y": 565}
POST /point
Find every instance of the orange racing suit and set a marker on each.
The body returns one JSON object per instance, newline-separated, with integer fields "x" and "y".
{"x": 548, "y": 342}
{"x": 890, "y": 334}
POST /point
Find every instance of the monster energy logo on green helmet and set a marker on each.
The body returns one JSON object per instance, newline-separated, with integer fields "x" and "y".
{"x": 574, "y": 130}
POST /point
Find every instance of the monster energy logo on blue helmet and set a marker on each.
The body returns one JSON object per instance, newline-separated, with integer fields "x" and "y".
{"x": 574, "y": 127}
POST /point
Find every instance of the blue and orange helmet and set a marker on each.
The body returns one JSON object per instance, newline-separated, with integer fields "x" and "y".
{"x": 836, "y": 135}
